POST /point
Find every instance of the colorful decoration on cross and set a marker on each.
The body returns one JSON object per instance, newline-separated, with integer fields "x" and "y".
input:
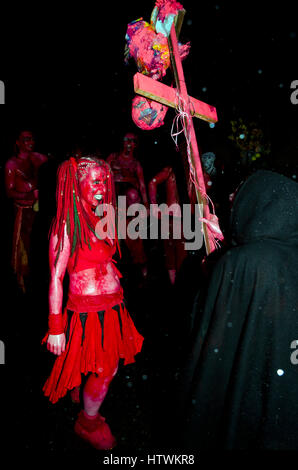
{"x": 152, "y": 62}
{"x": 147, "y": 44}
{"x": 150, "y": 49}
{"x": 147, "y": 114}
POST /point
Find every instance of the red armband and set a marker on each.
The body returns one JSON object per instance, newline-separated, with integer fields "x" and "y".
{"x": 55, "y": 324}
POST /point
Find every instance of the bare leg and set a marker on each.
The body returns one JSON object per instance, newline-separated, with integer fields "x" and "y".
{"x": 95, "y": 391}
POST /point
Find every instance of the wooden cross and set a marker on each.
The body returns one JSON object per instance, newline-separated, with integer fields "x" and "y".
{"x": 162, "y": 93}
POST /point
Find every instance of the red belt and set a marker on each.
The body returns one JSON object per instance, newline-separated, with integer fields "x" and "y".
{"x": 89, "y": 303}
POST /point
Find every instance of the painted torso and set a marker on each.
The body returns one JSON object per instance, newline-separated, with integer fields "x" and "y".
{"x": 92, "y": 271}
{"x": 22, "y": 176}
{"x": 124, "y": 169}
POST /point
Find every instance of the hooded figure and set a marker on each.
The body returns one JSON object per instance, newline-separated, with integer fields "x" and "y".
{"x": 241, "y": 377}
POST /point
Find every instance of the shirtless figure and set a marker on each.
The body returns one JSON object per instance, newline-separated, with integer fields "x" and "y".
{"x": 21, "y": 177}
{"x": 129, "y": 182}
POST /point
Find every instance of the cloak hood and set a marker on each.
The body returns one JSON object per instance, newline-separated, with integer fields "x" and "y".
{"x": 265, "y": 207}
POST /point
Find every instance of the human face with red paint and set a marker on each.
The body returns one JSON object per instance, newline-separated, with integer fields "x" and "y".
{"x": 130, "y": 143}
{"x": 93, "y": 186}
{"x": 25, "y": 142}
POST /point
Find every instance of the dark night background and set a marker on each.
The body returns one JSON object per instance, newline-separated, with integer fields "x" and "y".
{"x": 65, "y": 79}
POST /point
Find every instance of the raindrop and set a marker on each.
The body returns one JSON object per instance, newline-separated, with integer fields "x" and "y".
{"x": 280, "y": 372}
{"x": 212, "y": 125}
{"x": 242, "y": 136}
{"x": 144, "y": 377}
{"x": 204, "y": 89}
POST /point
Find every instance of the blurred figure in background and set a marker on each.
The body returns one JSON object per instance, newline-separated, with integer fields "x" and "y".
{"x": 21, "y": 182}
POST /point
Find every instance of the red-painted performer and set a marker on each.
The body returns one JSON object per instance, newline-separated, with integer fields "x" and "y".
{"x": 174, "y": 248}
{"x": 95, "y": 329}
{"x": 129, "y": 182}
{"x": 21, "y": 179}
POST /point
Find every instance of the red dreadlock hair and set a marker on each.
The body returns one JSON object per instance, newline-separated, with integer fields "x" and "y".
{"x": 70, "y": 210}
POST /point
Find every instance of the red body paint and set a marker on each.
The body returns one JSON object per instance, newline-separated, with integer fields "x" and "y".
{"x": 97, "y": 327}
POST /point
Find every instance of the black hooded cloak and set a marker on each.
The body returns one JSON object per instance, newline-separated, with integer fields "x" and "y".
{"x": 240, "y": 386}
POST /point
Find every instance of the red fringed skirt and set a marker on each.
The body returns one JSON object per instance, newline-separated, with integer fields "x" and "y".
{"x": 99, "y": 331}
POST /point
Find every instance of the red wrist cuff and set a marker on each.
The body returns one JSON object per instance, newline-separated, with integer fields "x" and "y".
{"x": 55, "y": 324}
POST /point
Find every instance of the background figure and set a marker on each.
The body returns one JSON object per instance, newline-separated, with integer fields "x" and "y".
{"x": 239, "y": 389}
{"x": 209, "y": 169}
{"x": 21, "y": 181}
{"x": 129, "y": 182}
{"x": 173, "y": 248}
{"x": 216, "y": 177}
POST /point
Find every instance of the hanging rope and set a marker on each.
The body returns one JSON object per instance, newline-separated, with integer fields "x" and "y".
{"x": 180, "y": 124}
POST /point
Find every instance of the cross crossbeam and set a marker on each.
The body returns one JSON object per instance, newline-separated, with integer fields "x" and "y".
{"x": 167, "y": 95}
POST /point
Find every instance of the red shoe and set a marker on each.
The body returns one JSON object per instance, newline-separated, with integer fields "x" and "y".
{"x": 95, "y": 430}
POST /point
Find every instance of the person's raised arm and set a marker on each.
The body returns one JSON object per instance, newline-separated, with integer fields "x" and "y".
{"x": 161, "y": 177}
{"x": 56, "y": 338}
